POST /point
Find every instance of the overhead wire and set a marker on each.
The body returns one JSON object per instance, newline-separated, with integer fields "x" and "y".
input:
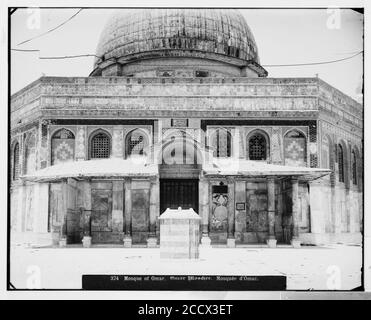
{"x": 51, "y": 30}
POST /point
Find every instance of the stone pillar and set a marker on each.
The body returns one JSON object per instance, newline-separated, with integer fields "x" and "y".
{"x": 295, "y": 213}
{"x": 336, "y": 205}
{"x": 352, "y": 211}
{"x": 63, "y": 231}
{"x": 348, "y": 204}
{"x": 80, "y": 143}
{"x": 86, "y": 196}
{"x": 272, "y": 242}
{"x": 231, "y": 241}
{"x": 19, "y": 211}
{"x": 154, "y": 212}
{"x": 117, "y": 206}
{"x": 236, "y": 143}
{"x": 127, "y": 236}
{"x": 41, "y": 195}
{"x": 118, "y": 142}
{"x": 317, "y": 198}
{"x": 86, "y": 219}
{"x": 240, "y": 214}
{"x": 204, "y": 194}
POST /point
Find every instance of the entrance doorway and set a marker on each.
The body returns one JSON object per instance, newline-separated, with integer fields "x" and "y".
{"x": 176, "y": 193}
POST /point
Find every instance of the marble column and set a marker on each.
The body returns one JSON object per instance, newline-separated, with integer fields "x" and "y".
{"x": 63, "y": 231}
{"x": 117, "y": 207}
{"x": 154, "y": 211}
{"x": 19, "y": 210}
{"x": 118, "y": 142}
{"x": 318, "y": 211}
{"x": 240, "y": 214}
{"x": 86, "y": 214}
{"x": 295, "y": 242}
{"x": 40, "y": 220}
{"x": 271, "y": 241}
{"x": 127, "y": 236}
{"x": 81, "y": 143}
{"x": 231, "y": 241}
{"x": 204, "y": 194}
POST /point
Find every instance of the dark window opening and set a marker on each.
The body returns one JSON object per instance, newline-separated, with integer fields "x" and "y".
{"x": 220, "y": 189}
{"x": 257, "y": 147}
{"x": 202, "y": 74}
{"x": 100, "y": 146}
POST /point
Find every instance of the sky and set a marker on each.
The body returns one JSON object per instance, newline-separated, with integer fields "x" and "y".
{"x": 283, "y": 36}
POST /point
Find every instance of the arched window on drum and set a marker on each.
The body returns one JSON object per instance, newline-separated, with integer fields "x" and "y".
{"x": 221, "y": 142}
{"x": 295, "y": 149}
{"x": 136, "y": 143}
{"x": 63, "y": 146}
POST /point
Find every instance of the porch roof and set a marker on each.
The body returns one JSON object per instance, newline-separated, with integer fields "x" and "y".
{"x": 106, "y": 168}
{"x": 242, "y": 167}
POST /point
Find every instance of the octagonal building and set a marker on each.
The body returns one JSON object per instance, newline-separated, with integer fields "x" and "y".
{"x": 179, "y": 112}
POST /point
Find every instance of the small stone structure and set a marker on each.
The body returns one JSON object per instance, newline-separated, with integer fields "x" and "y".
{"x": 179, "y": 234}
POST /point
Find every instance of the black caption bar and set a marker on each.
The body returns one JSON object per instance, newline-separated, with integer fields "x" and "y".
{"x": 183, "y": 282}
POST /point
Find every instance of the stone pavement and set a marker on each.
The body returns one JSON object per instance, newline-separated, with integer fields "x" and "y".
{"x": 318, "y": 268}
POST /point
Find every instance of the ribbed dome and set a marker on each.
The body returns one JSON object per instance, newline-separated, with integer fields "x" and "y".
{"x": 145, "y": 33}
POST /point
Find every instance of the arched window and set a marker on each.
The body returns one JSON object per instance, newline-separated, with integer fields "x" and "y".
{"x": 221, "y": 142}
{"x": 341, "y": 163}
{"x": 354, "y": 167}
{"x": 136, "y": 143}
{"x": 257, "y": 147}
{"x": 15, "y": 173}
{"x": 295, "y": 150}
{"x": 63, "y": 146}
{"x": 30, "y": 154}
{"x": 100, "y": 146}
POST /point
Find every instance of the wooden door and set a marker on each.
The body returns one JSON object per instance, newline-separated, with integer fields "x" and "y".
{"x": 176, "y": 193}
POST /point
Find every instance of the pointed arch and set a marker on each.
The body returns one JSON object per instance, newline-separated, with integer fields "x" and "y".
{"x": 99, "y": 144}
{"x": 295, "y": 148}
{"x": 62, "y": 146}
{"x": 136, "y": 142}
{"x": 257, "y": 145}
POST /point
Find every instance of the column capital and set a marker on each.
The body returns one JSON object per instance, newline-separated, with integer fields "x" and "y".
{"x": 271, "y": 179}
{"x": 294, "y": 179}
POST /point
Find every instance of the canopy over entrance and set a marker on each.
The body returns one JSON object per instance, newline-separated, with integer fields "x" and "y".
{"x": 106, "y": 168}
{"x": 241, "y": 167}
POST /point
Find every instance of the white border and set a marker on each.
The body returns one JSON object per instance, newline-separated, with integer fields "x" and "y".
{"x": 170, "y": 295}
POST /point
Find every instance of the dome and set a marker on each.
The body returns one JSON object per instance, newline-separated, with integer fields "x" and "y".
{"x": 138, "y": 34}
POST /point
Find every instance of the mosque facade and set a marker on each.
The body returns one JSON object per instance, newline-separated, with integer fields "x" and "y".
{"x": 178, "y": 112}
